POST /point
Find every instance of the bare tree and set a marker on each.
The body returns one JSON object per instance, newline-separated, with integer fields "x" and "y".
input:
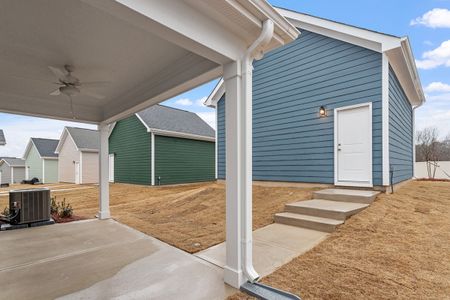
{"x": 429, "y": 148}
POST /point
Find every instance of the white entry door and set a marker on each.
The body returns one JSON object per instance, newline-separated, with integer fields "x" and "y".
{"x": 77, "y": 173}
{"x": 111, "y": 168}
{"x": 353, "y": 145}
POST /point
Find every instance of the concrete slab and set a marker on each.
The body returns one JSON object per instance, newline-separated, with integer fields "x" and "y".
{"x": 101, "y": 260}
{"x": 273, "y": 246}
{"x": 347, "y": 195}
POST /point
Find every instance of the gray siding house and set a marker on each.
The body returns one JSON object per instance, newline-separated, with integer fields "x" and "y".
{"x": 12, "y": 170}
{"x": 336, "y": 106}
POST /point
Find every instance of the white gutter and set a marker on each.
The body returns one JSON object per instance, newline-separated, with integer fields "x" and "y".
{"x": 255, "y": 51}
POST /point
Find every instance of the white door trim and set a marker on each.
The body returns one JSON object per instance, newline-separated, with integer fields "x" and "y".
{"x": 336, "y": 111}
{"x": 77, "y": 172}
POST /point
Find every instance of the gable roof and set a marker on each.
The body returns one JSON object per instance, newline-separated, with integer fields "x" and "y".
{"x": 164, "y": 120}
{"x": 2, "y": 138}
{"x": 397, "y": 50}
{"x": 86, "y": 140}
{"x": 13, "y": 161}
{"x": 45, "y": 147}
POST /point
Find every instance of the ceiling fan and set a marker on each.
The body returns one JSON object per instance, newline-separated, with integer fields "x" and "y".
{"x": 70, "y": 85}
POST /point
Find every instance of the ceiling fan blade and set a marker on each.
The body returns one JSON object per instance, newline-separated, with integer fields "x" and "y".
{"x": 94, "y": 84}
{"x": 59, "y": 73}
{"x": 56, "y": 92}
{"x": 91, "y": 94}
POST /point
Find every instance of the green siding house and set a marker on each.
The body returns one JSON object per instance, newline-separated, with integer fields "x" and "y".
{"x": 162, "y": 145}
{"x": 41, "y": 161}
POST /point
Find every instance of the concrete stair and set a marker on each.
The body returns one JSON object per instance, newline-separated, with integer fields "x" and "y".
{"x": 326, "y": 208}
{"x": 329, "y": 209}
{"x": 344, "y": 195}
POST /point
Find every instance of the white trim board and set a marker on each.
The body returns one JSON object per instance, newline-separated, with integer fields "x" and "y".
{"x": 385, "y": 119}
{"x": 336, "y": 111}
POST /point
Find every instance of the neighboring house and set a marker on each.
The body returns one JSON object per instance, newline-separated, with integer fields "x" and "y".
{"x": 78, "y": 155}
{"x": 41, "y": 161}
{"x": 12, "y": 170}
{"x": 336, "y": 106}
{"x": 162, "y": 145}
{"x": 2, "y": 138}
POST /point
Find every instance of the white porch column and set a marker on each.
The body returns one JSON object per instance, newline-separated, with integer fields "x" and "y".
{"x": 103, "y": 177}
{"x": 233, "y": 269}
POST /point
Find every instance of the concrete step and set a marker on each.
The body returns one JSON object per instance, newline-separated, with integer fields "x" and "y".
{"x": 344, "y": 195}
{"x": 305, "y": 221}
{"x": 325, "y": 208}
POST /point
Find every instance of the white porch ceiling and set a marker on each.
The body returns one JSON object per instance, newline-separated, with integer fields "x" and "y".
{"x": 149, "y": 51}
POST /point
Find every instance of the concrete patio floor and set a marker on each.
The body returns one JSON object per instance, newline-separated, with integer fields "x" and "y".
{"x": 273, "y": 246}
{"x": 101, "y": 260}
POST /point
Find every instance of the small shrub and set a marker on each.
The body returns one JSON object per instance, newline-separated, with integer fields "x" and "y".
{"x": 65, "y": 209}
{"x": 54, "y": 207}
{"x": 5, "y": 211}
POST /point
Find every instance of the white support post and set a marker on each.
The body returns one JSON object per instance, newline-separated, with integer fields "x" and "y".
{"x": 104, "y": 172}
{"x": 233, "y": 274}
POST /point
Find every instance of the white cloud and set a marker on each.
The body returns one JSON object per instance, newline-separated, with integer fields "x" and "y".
{"x": 437, "y": 87}
{"x": 435, "y": 58}
{"x": 184, "y": 102}
{"x": 208, "y": 117}
{"x": 435, "y": 18}
{"x": 428, "y": 43}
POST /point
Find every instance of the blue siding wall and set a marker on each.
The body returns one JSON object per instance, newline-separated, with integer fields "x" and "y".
{"x": 400, "y": 131}
{"x": 290, "y": 141}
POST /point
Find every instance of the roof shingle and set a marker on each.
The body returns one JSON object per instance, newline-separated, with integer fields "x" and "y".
{"x": 85, "y": 139}
{"x": 14, "y": 161}
{"x": 2, "y": 138}
{"x": 175, "y": 120}
{"x": 46, "y": 147}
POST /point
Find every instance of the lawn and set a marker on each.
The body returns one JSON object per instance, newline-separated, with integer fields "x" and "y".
{"x": 190, "y": 217}
{"x": 398, "y": 248}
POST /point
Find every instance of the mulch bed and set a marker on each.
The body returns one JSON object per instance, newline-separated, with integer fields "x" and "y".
{"x": 72, "y": 218}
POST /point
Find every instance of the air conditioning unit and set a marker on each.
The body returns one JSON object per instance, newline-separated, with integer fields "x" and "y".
{"x": 29, "y": 206}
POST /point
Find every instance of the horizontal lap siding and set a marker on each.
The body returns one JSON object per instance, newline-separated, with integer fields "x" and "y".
{"x": 130, "y": 144}
{"x": 179, "y": 160}
{"x": 400, "y": 131}
{"x": 221, "y": 138}
{"x": 290, "y": 141}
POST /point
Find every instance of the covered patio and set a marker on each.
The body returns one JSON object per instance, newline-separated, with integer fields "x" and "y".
{"x": 100, "y": 61}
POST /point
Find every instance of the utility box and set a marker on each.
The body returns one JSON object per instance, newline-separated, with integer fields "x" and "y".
{"x": 29, "y": 206}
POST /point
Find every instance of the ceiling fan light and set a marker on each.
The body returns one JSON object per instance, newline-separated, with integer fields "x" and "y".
{"x": 69, "y": 90}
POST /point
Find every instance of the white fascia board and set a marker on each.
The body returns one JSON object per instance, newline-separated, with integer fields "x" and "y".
{"x": 111, "y": 128}
{"x": 181, "y": 135}
{"x": 358, "y": 36}
{"x": 48, "y": 157}
{"x": 88, "y": 150}
{"x": 142, "y": 121}
{"x": 4, "y": 161}
{"x": 412, "y": 68}
{"x": 216, "y": 94}
{"x": 62, "y": 139}
{"x": 385, "y": 118}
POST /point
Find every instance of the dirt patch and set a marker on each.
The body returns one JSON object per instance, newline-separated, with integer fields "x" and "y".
{"x": 399, "y": 248}
{"x": 190, "y": 217}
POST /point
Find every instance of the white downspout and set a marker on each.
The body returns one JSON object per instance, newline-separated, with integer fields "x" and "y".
{"x": 255, "y": 51}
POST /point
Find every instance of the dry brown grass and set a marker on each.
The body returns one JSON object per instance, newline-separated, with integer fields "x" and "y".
{"x": 399, "y": 248}
{"x": 190, "y": 217}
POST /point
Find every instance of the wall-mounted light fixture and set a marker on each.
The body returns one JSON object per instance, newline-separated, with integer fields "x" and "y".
{"x": 322, "y": 111}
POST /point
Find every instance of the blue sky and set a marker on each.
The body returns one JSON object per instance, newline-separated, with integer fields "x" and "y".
{"x": 426, "y": 22}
